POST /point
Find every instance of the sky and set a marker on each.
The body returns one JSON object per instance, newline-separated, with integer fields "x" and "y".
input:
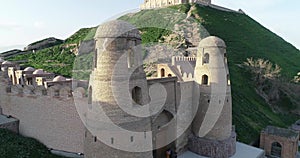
{"x": 23, "y": 22}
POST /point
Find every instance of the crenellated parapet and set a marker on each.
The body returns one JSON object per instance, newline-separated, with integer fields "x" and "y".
{"x": 187, "y": 76}
{"x": 40, "y": 91}
{"x": 37, "y": 82}
{"x": 182, "y": 58}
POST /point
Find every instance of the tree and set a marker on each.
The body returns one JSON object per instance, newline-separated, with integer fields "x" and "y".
{"x": 266, "y": 77}
{"x": 262, "y": 69}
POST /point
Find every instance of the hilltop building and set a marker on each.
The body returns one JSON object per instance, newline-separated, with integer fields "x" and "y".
{"x": 151, "y": 4}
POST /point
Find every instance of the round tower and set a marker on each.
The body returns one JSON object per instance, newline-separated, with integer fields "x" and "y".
{"x": 212, "y": 126}
{"x": 118, "y": 89}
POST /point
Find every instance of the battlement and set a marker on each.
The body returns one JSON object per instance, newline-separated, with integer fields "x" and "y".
{"x": 37, "y": 82}
{"x": 182, "y": 58}
{"x": 187, "y": 76}
{"x": 40, "y": 91}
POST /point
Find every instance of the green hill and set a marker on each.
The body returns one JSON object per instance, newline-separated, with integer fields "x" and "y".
{"x": 245, "y": 38}
{"x": 58, "y": 58}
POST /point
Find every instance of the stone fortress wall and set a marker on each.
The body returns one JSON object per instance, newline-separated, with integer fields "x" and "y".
{"x": 45, "y": 112}
{"x": 53, "y": 121}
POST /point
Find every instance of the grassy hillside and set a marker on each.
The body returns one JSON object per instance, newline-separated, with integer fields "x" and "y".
{"x": 82, "y": 35}
{"x": 15, "y": 146}
{"x": 58, "y": 59}
{"x": 245, "y": 38}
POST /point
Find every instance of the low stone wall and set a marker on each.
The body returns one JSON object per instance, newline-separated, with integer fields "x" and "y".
{"x": 213, "y": 148}
{"x": 54, "y": 121}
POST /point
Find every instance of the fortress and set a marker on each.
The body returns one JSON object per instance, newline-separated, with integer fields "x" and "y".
{"x": 183, "y": 97}
{"x": 185, "y": 111}
{"x": 188, "y": 105}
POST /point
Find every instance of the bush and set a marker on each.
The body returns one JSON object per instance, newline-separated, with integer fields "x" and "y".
{"x": 16, "y": 146}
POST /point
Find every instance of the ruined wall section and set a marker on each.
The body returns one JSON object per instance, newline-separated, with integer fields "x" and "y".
{"x": 52, "y": 120}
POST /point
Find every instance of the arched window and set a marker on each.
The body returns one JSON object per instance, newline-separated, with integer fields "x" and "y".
{"x": 169, "y": 75}
{"x": 206, "y": 58}
{"x": 162, "y": 72}
{"x": 90, "y": 95}
{"x": 137, "y": 95}
{"x": 204, "y": 80}
{"x": 130, "y": 58}
{"x": 276, "y": 149}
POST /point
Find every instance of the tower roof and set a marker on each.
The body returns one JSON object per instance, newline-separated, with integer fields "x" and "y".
{"x": 212, "y": 41}
{"x": 59, "y": 78}
{"x": 6, "y": 63}
{"x": 29, "y": 69}
{"x": 38, "y": 72}
{"x": 117, "y": 29}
